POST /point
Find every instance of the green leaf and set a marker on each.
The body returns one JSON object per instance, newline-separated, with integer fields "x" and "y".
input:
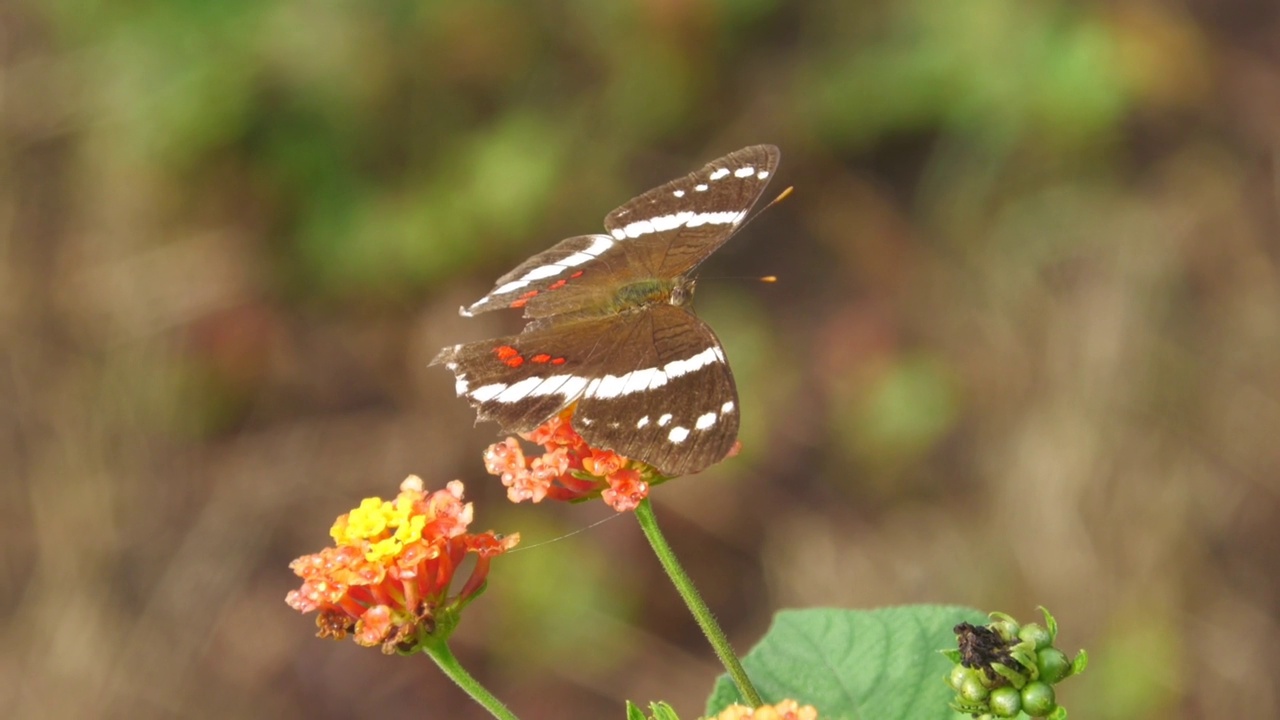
{"x": 663, "y": 711}
{"x": 880, "y": 664}
{"x": 1079, "y": 663}
{"x": 658, "y": 710}
{"x": 1050, "y": 622}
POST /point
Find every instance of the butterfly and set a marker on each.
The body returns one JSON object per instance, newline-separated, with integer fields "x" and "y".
{"x": 610, "y": 327}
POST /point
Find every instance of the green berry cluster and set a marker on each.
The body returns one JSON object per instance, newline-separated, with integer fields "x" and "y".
{"x": 1003, "y": 668}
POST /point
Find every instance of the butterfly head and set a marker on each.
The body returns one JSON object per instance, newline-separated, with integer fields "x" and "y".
{"x": 682, "y": 291}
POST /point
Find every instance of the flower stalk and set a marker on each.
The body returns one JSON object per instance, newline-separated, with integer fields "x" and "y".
{"x": 437, "y": 648}
{"x": 701, "y": 613}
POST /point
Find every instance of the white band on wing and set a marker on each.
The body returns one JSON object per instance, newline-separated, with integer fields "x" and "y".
{"x": 685, "y": 218}
{"x": 568, "y": 386}
{"x": 599, "y": 243}
{"x": 611, "y": 386}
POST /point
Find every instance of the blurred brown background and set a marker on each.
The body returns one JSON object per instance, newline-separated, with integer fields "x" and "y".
{"x": 1025, "y": 348}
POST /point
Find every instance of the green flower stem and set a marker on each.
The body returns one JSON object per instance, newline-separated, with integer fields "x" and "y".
{"x": 720, "y": 643}
{"x": 439, "y": 651}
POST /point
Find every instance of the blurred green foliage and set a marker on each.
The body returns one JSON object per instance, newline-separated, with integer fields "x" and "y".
{"x": 998, "y": 72}
{"x": 1028, "y": 290}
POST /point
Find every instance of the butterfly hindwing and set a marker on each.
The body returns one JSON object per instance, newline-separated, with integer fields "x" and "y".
{"x": 676, "y": 407}
{"x": 521, "y": 380}
{"x": 672, "y": 403}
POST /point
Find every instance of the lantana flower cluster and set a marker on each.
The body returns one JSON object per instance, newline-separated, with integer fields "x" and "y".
{"x": 388, "y": 576}
{"x": 569, "y": 469}
{"x": 785, "y": 710}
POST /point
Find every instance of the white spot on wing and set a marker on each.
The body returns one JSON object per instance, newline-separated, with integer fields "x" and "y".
{"x": 705, "y": 421}
{"x": 719, "y": 173}
{"x": 643, "y": 421}
{"x": 744, "y": 172}
{"x": 678, "y": 434}
{"x": 678, "y": 193}
{"x": 700, "y": 188}
{"x": 762, "y": 174}
{"x": 666, "y": 418}
{"x": 727, "y": 407}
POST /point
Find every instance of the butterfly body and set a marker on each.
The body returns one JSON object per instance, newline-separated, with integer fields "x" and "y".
{"x": 642, "y": 294}
{"x": 610, "y": 328}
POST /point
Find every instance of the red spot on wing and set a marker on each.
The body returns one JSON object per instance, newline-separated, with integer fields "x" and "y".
{"x": 557, "y": 284}
{"x": 523, "y": 299}
{"x": 508, "y": 356}
{"x": 557, "y": 361}
{"x": 540, "y": 358}
{"x": 576, "y": 275}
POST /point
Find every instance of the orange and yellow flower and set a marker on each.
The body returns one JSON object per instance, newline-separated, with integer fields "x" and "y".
{"x": 785, "y": 710}
{"x": 569, "y": 469}
{"x": 387, "y": 578}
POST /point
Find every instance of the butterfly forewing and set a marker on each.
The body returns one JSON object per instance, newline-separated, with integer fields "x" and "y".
{"x": 682, "y": 222}
{"x": 541, "y": 276}
{"x": 664, "y": 233}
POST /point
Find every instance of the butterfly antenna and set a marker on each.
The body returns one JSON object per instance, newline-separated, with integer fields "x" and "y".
{"x": 562, "y": 537}
{"x": 781, "y": 196}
